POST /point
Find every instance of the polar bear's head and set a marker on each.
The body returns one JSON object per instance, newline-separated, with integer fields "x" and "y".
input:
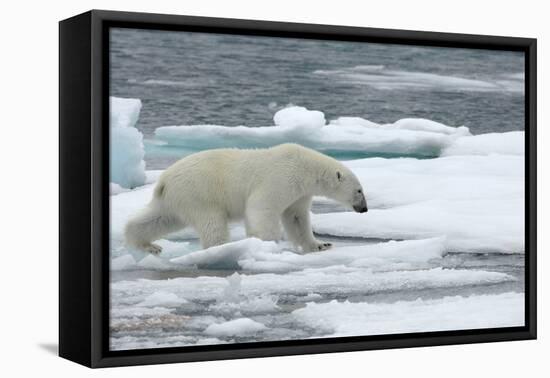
{"x": 344, "y": 187}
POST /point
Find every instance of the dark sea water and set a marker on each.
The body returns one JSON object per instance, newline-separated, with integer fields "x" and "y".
{"x": 187, "y": 78}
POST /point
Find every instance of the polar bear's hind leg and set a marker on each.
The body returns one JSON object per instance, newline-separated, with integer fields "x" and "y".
{"x": 263, "y": 224}
{"x": 212, "y": 229}
{"x": 150, "y": 225}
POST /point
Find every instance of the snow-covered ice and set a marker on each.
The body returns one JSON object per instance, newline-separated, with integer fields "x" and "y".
{"x": 298, "y": 116}
{"x": 124, "y": 112}
{"x": 116, "y": 189}
{"x": 510, "y": 143}
{"x": 478, "y": 226}
{"x": 266, "y": 256}
{"x": 161, "y": 299}
{"x": 449, "y": 313}
{"x": 333, "y": 280}
{"x": 404, "y": 181}
{"x": 236, "y": 327}
{"x": 476, "y": 202}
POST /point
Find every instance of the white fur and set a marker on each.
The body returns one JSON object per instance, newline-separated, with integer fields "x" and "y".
{"x": 265, "y": 187}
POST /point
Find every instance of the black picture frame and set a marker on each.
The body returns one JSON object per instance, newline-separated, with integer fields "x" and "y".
{"x": 84, "y": 188}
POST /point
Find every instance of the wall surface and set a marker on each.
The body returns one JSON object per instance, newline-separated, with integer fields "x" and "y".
{"x": 29, "y": 146}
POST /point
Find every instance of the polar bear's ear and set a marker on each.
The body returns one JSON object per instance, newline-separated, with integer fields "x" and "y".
{"x": 339, "y": 176}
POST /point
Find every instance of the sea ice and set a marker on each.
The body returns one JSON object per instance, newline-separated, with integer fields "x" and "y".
{"x": 448, "y": 313}
{"x": 476, "y": 202}
{"x": 124, "y": 262}
{"x": 415, "y": 124}
{"x": 236, "y": 327}
{"x": 116, "y": 189}
{"x": 161, "y": 299}
{"x": 124, "y": 112}
{"x": 477, "y": 226}
{"x": 153, "y": 263}
{"x": 392, "y": 182}
{"x": 297, "y": 116}
{"x": 127, "y": 153}
{"x": 227, "y": 256}
{"x": 510, "y": 143}
{"x": 263, "y": 304}
{"x": 354, "y": 136}
{"x": 415, "y": 137}
{"x": 262, "y": 256}
{"x": 330, "y": 280}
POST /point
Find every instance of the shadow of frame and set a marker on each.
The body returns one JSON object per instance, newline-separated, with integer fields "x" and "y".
{"x": 52, "y": 348}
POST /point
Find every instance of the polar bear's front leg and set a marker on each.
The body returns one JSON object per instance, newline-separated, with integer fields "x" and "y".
{"x": 297, "y": 224}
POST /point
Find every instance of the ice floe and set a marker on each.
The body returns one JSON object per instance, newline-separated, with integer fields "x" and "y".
{"x": 478, "y": 226}
{"x": 254, "y": 255}
{"x": 298, "y": 116}
{"x": 227, "y": 256}
{"x": 331, "y": 280}
{"x": 116, "y": 189}
{"x": 126, "y": 156}
{"x": 475, "y": 202}
{"x": 260, "y": 256}
{"x": 161, "y": 299}
{"x": 393, "y": 182}
{"x": 448, "y": 313}
{"x": 411, "y": 137}
{"x": 342, "y": 137}
{"x": 123, "y": 262}
{"x": 509, "y": 143}
{"x": 236, "y": 327}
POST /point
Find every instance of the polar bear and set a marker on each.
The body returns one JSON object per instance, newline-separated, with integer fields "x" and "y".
{"x": 265, "y": 187}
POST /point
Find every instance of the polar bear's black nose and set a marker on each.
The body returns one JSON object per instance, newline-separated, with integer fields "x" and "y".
{"x": 360, "y": 209}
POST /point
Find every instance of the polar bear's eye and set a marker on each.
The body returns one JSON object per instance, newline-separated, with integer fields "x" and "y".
{"x": 359, "y": 191}
{"x": 339, "y": 176}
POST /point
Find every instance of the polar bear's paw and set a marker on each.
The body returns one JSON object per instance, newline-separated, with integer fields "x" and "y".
{"x": 153, "y": 249}
{"x": 319, "y": 246}
{"x": 324, "y": 246}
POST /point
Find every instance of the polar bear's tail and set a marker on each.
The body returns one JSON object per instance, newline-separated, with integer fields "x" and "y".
{"x": 149, "y": 225}
{"x": 159, "y": 190}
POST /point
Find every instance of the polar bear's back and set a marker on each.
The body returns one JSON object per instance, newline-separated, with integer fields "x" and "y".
{"x": 225, "y": 178}
{"x": 197, "y": 181}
